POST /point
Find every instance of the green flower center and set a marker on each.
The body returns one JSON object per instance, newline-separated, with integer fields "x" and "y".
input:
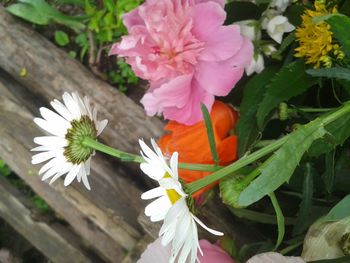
{"x": 76, "y": 152}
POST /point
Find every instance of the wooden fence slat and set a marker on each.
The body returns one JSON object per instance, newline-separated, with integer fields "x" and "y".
{"x": 107, "y": 232}
{"x": 51, "y": 243}
{"x": 50, "y": 72}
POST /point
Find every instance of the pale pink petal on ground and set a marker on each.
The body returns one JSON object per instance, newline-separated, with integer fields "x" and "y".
{"x": 156, "y": 252}
{"x": 225, "y": 42}
{"x": 272, "y": 257}
{"x": 218, "y": 78}
{"x": 207, "y": 18}
{"x": 212, "y": 253}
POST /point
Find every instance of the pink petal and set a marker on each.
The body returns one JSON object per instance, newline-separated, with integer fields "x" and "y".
{"x": 132, "y": 19}
{"x": 218, "y": 78}
{"x": 191, "y": 112}
{"x": 244, "y": 56}
{"x": 221, "y": 2}
{"x": 225, "y": 42}
{"x": 212, "y": 253}
{"x": 174, "y": 93}
{"x": 156, "y": 252}
{"x": 207, "y": 18}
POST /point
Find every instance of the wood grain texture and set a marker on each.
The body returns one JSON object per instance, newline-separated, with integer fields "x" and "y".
{"x": 50, "y": 72}
{"x": 107, "y": 229}
{"x": 55, "y": 245}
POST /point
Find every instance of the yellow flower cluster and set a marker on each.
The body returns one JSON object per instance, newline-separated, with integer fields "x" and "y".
{"x": 316, "y": 44}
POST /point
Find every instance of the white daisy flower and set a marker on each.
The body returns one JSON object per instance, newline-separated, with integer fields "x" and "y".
{"x": 63, "y": 148}
{"x": 179, "y": 225}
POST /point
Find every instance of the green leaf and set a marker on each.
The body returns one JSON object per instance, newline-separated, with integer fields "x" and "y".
{"x": 230, "y": 189}
{"x": 345, "y": 8}
{"x": 247, "y": 250}
{"x": 280, "y": 166}
{"x": 238, "y": 11}
{"x": 280, "y": 220}
{"x": 337, "y": 132}
{"x": 109, "y": 5}
{"x": 340, "y": 25}
{"x": 41, "y": 13}
{"x": 294, "y": 13}
{"x": 261, "y": 2}
{"x": 28, "y": 13}
{"x": 289, "y": 82}
{"x": 339, "y": 211}
{"x": 81, "y": 39}
{"x": 210, "y": 133}
{"x": 61, "y": 38}
{"x": 259, "y": 217}
{"x": 229, "y": 245}
{"x": 72, "y": 54}
{"x": 305, "y": 205}
{"x": 287, "y": 41}
{"x": 4, "y": 169}
{"x": 328, "y": 176}
{"x": 337, "y": 73}
{"x": 80, "y": 3}
{"x": 247, "y": 128}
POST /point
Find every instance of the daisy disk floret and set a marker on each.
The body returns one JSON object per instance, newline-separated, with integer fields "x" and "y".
{"x": 171, "y": 205}
{"x": 63, "y": 149}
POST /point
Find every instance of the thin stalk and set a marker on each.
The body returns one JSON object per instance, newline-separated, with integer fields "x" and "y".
{"x": 124, "y": 156}
{"x": 291, "y": 248}
{"x": 248, "y": 159}
{"x": 316, "y": 109}
{"x": 197, "y": 185}
{"x": 263, "y": 143}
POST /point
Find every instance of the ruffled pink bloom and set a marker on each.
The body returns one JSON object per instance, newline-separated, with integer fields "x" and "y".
{"x": 183, "y": 49}
{"x": 212, "y": 253}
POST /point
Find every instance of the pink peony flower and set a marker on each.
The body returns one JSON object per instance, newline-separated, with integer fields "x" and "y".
{"x": 183, "y": 49}
{"x": 212, "y": 253}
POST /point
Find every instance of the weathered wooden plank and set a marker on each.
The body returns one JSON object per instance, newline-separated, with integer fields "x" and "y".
{"x": 53, "y": 244}
{"x": 135, "y": 254}
{"x": 50, "y": 72}
{"x": 107, "y": 230}
{"x": 115, "y": 178}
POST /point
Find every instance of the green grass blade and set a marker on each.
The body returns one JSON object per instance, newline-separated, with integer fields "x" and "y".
{"x": 280, "y": 220}
{"x": 210, "y": 133}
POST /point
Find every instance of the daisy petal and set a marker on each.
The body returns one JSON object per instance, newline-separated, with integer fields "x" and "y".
{"x": 214, "y": 232}
{"x": 71, "y": 175}
{"x": 153, "y": 193}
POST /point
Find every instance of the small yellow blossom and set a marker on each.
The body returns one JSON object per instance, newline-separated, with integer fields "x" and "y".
{"x": 316, "y": 44}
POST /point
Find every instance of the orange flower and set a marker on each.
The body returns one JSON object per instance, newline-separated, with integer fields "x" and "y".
{"x": 191, "y": 142}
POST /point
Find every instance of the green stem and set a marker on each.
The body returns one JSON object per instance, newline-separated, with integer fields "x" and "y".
{"x": 291, "y": 248}
{"x": 197, "y": 185}
{"x": 263, "y": 143}
{"x": 248, "y": 159}
{"x": 124, "y": 156}
{"x": 250, "y": 177}
{"x": 280, "y": 219}
{"x": 316, "y": 109}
